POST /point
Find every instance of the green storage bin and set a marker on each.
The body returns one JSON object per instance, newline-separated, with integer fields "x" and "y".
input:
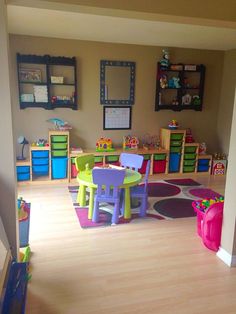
{"x": 189, "y": 169}
{"x": 176, "y": 136}
{"x": 190, "y": 149}
{"x": 146, "y": 157}
{"x": 59, "y": 153}
{"x": 189, "y": 156}
{"x": 175, "y": 143}
{"x": 160, "y": 157}
{"x": 59, "y": 138}
{"x": 112, "y": 158}
{"x": 175, "y": 149}
{"x": 98, "y": 159}
{"x": 59, "y": 145}
{"x": 189, "y": 162}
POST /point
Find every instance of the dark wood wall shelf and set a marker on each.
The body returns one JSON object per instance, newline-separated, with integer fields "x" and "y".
{"x": 35, "y": 77}
{"x": 187, "y": 90}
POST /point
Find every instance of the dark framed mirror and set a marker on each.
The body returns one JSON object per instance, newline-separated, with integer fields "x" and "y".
{"x": 117, "y": 81}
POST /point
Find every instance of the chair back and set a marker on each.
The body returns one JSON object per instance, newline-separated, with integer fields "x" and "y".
{"x": 132, "y": 161}
{"x": 110, "y": 179}
{"x": 146, "y": 175}
{"x": 81, "y": 161}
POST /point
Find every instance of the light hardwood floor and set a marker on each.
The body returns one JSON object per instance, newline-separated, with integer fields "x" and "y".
{"x": 147, "y": 266}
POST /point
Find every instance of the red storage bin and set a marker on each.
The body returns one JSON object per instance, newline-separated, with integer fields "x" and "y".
{"x": 142, "y": 170}
{"x": 159, "y": 166}
{"x": 74, "y": 171}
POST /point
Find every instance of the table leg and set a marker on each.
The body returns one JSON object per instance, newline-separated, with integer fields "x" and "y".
{"x": 127, "y": 209}
{"x": 91, "y": 203}
{"x": 81, "y": 198}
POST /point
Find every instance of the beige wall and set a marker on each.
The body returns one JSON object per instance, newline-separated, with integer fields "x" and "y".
{"x": 202, "y": 8}
{"x": 226, "y": 100}
{"x": 87, "y": 122}
{"x": 8, "y": 212}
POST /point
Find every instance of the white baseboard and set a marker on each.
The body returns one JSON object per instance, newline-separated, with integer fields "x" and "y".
{"x": 227, "y": 258}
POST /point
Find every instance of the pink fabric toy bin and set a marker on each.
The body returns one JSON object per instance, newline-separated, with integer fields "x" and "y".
{"x": 209, "y": 225}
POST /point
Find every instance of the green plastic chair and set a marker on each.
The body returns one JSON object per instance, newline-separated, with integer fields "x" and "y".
{"x": 82, "y": 161}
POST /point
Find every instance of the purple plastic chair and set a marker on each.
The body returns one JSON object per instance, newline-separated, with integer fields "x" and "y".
{"x": 141, "y": 192}
{"x": 108, "y": 182}
{"x": 132, "y": 161}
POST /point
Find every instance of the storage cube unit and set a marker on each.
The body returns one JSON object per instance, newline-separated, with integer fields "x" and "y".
{"x": 40, "y": 161}
{"x": 59, "y": 145}
{"x": 23, "y": 173}
{"x": 204, "y": 163}
{"x": 190, "y": 157}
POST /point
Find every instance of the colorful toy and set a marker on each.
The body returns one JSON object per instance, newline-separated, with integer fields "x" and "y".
{"x": 104, "y": 145}
{"x": 202, "y": 148}
{"x": 59, "y": 124}
{"x": 173, "y": 125}
{"x": 165, "y": 61}
{"x": 189, "y": 137}
{"x": 174, "y": 82}
{"x": 150, "y": 141}
{"x": 163, "y": 81}
{"x": 130, "y": 142}
{"x": 219, "y": 164}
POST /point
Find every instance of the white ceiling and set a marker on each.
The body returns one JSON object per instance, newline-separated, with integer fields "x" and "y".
{"x": 61, "y": 22}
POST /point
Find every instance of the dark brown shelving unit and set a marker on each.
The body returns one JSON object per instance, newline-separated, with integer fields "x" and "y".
{"x": 189, "y": 94}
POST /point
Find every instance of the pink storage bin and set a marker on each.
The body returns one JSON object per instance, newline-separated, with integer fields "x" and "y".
{"x": 142, "y": 170}
{"x": 212, "y": 226}
{"x": 159, "y": 166}
{"x": 74, "y": 172}
{"x": 200, "y": 216}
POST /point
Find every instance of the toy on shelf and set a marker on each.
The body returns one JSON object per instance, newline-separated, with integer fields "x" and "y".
{"x": 202, "y": 148}
{"x": 174, "y": 82}
{"x": 40, "y": 143}
{"x": 130, "y": 142}
{"x": 173, "y": 125}
{"x": 165, "y": 61}
{"x": 163, "y": 81}
{"x": 189, "y": 137}
{"x": 150, "y": 141}
{"x": 104, "y": 145}
{"x": 196, "y": 100}
{"x": 59, "y": 124}
{"x": 186, "y": 99}
{"x": 219, "y": 164}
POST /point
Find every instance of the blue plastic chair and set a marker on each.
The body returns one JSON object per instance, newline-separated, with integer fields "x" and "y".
{"x": 141, "y": 192}
{"x": 132, "y": 161}
{"x": 108, "y": 182}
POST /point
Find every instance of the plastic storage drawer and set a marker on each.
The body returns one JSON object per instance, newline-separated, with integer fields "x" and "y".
{"x": 176, "y": 136}
{"x": 59, "y": 168}
{"x": 59, "y": 145}
{"x": 174, "y": 149}
{"x": 23, "y": 176}
{"x": 190, "y": 149}
{"x": 40, "y": 154}
{"x": 112, "y": 159}
{"x": 176, "y": 143}
{"x": 59, "y": 138}
{"x": 40, "y": 170}
{"x": 189, "y": 169}
{"x": 159, "y": 166}
{"x": 59, "y": 153}
{"x": 203, "y": 162}
{"x": 189, "y": 162}
{"x": 146, "y": 157}
{"x": 40, "y": 161}
{"x": 160, "y": 157}
{"x": 22, "y": 169}
{"x": 189, "y": 156}
{"x": 174, "y": 162}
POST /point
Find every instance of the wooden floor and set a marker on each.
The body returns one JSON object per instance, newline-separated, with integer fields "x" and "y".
{"x": 142, "y": 267}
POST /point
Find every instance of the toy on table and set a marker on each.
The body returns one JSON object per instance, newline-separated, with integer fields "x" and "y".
{"x": 165, "y": 61}
{"x": 202, "y": 148}
{"x": 59, "y": 124}
{"x": 104, "y": 145}
{"x": 189, "y": 137}
{"x": 173, "y": 125}
{"x": 150, "y": 141}
{"x": 130, "y": 142}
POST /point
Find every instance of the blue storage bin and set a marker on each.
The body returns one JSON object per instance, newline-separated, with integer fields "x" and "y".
{"x": 59, "y": 168}
{"x": 174, "y": 162}
{"x": 23, "y": 176}
{"x": 202, "y": 168}
{"x": 40, "y": 161}
{"x": 40, "y": 154}
{"x": 22, "y": 169}
{"x": 40, "y": 170}
{"x": 203, "y": 162}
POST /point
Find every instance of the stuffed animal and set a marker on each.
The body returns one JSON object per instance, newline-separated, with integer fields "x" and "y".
{"x": 165, "y": 62}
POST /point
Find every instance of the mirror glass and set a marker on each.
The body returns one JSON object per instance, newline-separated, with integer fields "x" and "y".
{"x": 117, "y": 82}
